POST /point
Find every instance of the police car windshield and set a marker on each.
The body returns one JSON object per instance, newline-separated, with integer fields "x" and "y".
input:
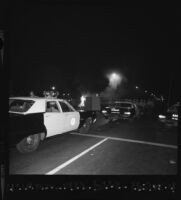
{"x": 19, "y": 105}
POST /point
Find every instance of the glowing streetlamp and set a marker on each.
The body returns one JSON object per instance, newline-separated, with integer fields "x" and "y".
{"x": 114, "y": 79}
{"x": 137, "y": 87}
{"x": 53, "y": 87}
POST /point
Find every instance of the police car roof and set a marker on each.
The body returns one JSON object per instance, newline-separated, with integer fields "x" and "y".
{"x": 36, "y": 98}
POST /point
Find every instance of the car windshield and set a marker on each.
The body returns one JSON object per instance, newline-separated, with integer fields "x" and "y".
{"x": 124, "y": 105}
{"x": 19, "y": 105}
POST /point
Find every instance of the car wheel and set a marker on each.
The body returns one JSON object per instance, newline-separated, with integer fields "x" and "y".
{"x": 29, "y": 144}
{"x": 86, "y": 126}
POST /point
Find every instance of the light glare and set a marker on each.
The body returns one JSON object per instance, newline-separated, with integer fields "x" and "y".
{"x": 114, "y": 80}
{"x": 162, "y": 117}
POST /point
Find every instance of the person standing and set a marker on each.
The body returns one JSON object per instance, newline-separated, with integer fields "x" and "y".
{"x": 32, "y": 94}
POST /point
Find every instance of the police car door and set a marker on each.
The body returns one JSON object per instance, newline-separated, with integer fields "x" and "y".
{"x": 54, "y": 119}
{"x": 71, "y": 115}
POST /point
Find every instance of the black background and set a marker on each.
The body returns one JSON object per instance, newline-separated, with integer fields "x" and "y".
{"x": 73, "y": 44}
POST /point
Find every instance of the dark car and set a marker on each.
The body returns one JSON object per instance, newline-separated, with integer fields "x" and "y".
{"x": 120, "y": 110}
{"x": 170, "y": 116}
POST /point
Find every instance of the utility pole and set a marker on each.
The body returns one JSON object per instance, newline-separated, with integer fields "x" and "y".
{"x": 1, "y": 45}
{"x": 2, "y": 136}
{"x": 169, "y": 91}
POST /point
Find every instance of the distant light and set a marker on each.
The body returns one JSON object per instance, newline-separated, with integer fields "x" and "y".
{"x": 127, "y": 113}
{"x": 82, "y": 103}
{"x": 114, "y": 79}
{"x": 104, "y": 111}
{"x": 53, "y": 87}
{"x": 146, "y": 91}
{"x": 137, "y": 87}
{"x": 162, "y": 116}
{"x": 175, "y": 115}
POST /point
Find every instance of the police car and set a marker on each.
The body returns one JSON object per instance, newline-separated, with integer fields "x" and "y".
{"x": 32, "y": 119}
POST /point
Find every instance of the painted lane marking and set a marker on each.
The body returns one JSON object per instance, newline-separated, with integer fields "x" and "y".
{"x": 97, "y": 136}
{"x": 130, "y": 140}
{"x": 74, "y": 158}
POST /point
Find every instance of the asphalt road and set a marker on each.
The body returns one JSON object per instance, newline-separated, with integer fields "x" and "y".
{"x": 141, "y": 147}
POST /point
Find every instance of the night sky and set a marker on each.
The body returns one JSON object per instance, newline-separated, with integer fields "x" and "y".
{"x": 72, "y": 45}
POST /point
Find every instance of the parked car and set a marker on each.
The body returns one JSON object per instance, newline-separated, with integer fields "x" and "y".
{"x": 170, "y": 115}
{"x": 173, "y": 111}
{"x": 120, "y": 110}
{"x": 31, "y": 120}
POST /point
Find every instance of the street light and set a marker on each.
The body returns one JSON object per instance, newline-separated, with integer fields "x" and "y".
{"x": 137, "y": 87}
{"x": 53, "y": 87}
{"x": 114, "y": 79}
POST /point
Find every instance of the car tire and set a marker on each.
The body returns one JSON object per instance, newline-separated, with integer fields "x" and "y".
{"x": 86, "y": 126}
{"x": 29, "y": 144}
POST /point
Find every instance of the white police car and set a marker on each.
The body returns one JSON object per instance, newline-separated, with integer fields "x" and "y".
{"x": 31, "y": 120}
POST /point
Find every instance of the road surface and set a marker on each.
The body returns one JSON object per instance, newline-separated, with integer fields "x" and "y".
{"x": 141, "y": 147}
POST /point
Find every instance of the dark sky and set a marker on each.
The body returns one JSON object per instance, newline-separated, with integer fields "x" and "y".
{"x": 69, "y": 45}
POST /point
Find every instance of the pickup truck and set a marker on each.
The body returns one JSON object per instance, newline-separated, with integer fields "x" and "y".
{"x": 33, "y": 119}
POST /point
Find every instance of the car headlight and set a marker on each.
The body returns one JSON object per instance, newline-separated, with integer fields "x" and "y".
{"x": 127, "y": 113}
{"x": 175, "y": 116}
{"x": 162, "y": 116}
{"x": 104, "y": 111}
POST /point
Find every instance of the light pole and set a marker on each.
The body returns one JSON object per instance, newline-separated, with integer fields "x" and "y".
{"x": 2, "y": 45}
{"x": 169, "y": 91}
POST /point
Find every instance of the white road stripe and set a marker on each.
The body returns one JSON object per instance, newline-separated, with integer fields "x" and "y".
{"x": 130, "y": 140}
{"x": 74, "y": 158}
{"x": 91, "y": 135}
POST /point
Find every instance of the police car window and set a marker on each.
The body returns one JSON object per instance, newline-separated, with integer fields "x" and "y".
{"x": 51, "y": 106}
{"x": 65, "y": 107}
{"x": 19, "y": 105}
